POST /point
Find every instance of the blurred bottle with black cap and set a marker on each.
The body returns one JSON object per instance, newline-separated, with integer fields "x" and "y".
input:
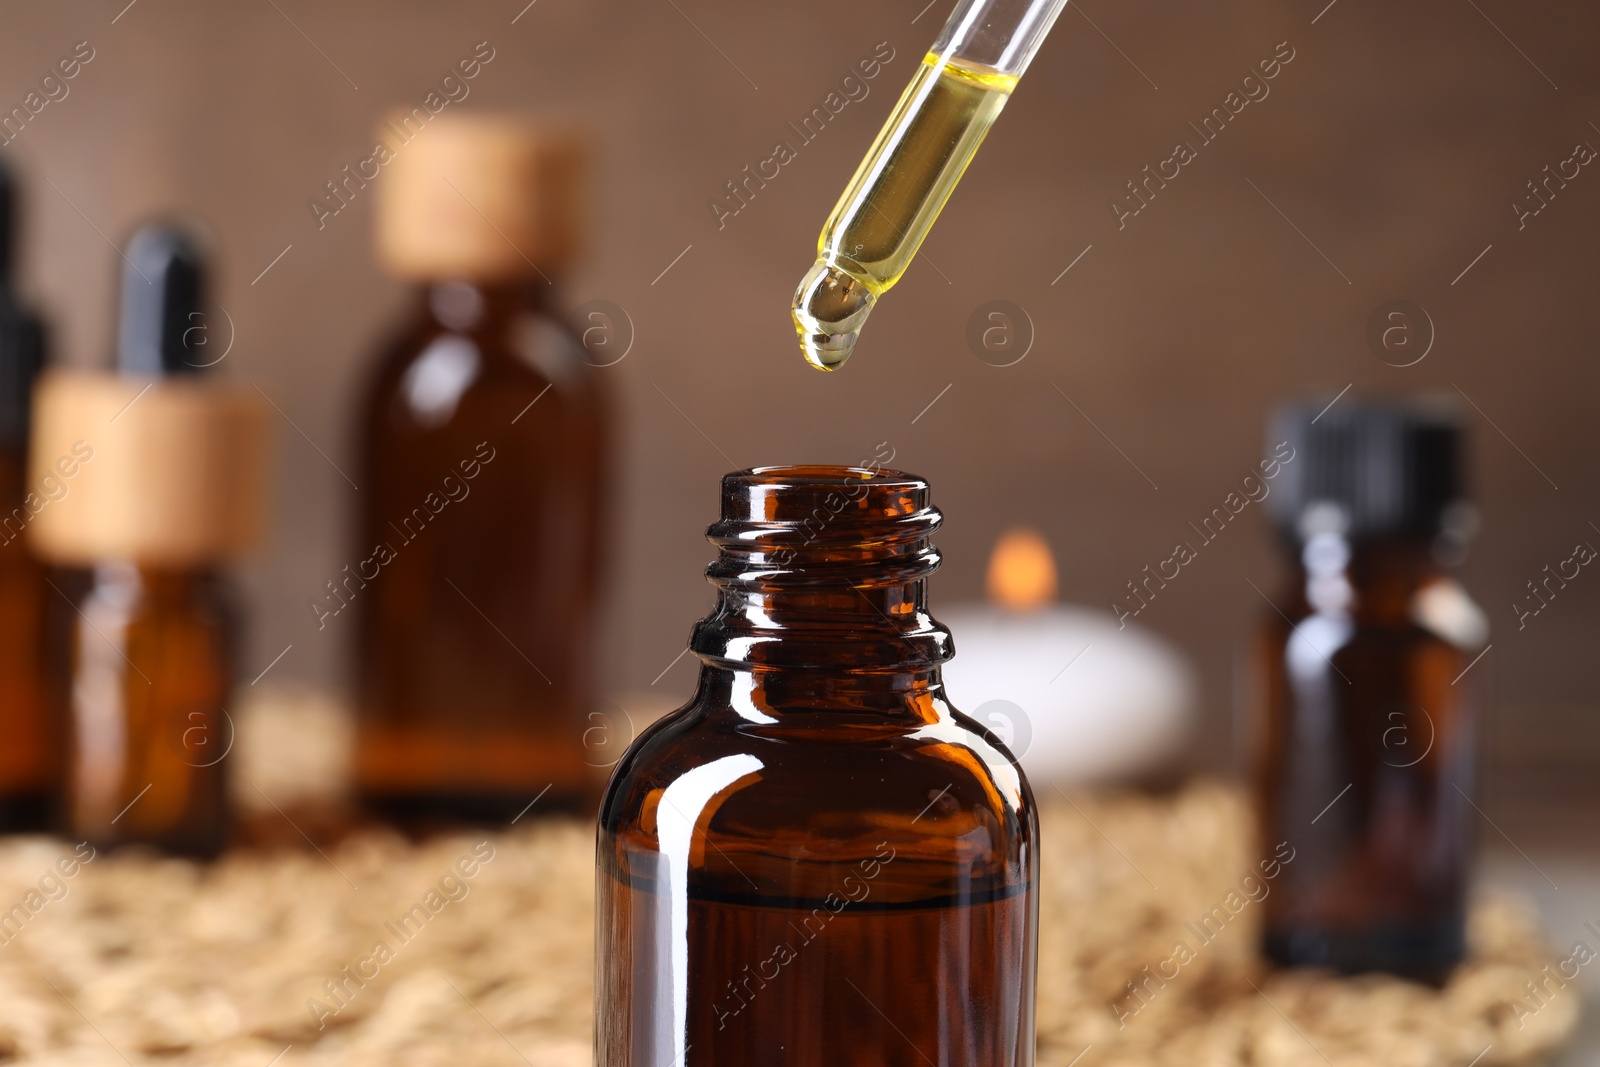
{"x": 29, "y": 747}
{"x": 166, "y": 488}
{"x": 1366, "y": 693}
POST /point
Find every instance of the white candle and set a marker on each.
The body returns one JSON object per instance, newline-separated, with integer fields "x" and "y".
{"x": 1078, "y": 699}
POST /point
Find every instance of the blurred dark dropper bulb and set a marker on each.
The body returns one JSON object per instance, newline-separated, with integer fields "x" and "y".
{"x": 162, "y": 290}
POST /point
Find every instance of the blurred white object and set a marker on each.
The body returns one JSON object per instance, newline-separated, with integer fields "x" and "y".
{"x": 1077, "y": 699}
{"x": 291, "y": 747}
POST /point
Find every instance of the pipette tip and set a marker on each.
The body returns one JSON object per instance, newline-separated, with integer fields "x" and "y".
{"x": 829, "y": 309}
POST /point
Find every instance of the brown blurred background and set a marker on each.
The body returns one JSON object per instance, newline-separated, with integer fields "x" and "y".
{"x": 1382, "y": 166}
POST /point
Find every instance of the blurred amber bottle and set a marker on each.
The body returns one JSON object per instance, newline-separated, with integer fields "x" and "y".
{"x": 29, "y": 746}
{"x": 1366, "y": 733}
{"x": 162, "y": 476}
{"x": 482, "y": 444}
{"x": 818, "y": 860}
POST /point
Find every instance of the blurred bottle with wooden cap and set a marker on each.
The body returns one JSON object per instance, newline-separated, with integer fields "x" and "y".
{"x": 163, "y": 481}
{"x": 483, "y": 440}
{"x": 29, "y": 745}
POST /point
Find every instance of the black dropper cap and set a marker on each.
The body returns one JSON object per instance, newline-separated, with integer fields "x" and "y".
{"x": 21, "y": 332}
{"x": 162, "y": 329}
{"x": 1390, "y": 467}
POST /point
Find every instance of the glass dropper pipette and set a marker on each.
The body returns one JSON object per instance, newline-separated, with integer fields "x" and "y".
{"x": 913, "y": 165}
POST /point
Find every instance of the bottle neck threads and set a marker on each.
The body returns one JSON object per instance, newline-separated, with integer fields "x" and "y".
{"x": 823, "y": 568}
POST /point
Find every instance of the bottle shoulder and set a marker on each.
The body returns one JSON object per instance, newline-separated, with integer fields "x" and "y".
{"x": 425, "y": 374}
{"x": 823, "y": 772}
{"x": 201, "y": 598}
{"x": 1437, "y": 613}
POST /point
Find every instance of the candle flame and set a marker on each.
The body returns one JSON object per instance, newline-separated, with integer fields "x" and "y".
{"x": 1022, "y": 570}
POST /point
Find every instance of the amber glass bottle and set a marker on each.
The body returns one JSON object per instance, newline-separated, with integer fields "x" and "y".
{"x": 152, "y": 667}
{"x": 29, "y": 751}
{"x": 1366, "y": 754}
{"x": 817, "y": 861}
{"x": 156, "y": 496}
{"x": 482, "y": 446}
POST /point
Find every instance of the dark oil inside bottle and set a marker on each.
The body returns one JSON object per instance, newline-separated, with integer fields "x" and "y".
{"x": 476, "y": 562}
{"x": 890, "y": 980}
{"x": 817, "y": 860}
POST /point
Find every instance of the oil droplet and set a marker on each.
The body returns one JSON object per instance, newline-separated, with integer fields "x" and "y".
{"x": 830, "y": 307}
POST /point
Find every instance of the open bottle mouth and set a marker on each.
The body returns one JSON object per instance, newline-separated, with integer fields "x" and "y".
{"x": 823, "y": 566}
{"x": 796, "y": 506}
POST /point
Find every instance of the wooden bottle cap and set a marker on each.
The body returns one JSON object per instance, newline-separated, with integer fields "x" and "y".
{"x": 164, "y": 472}
{"x": 477, "y": 197}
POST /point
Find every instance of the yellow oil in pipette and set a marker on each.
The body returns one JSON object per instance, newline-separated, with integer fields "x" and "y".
{"x": 894, "y": 198}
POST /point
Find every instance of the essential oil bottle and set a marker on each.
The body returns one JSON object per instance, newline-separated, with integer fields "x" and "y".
{"x": 29, "y": 753}
{"x": 163, "y": 472}
{"x": 1367, "y": 685}
{"x": 817, "y": 860}
{"x": 482, "y": 438}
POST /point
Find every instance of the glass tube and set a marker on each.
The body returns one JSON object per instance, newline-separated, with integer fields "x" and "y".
{"x": 913, "y": 166}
